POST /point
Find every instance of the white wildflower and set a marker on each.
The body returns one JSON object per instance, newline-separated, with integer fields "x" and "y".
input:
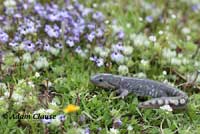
{"x": 129, "y": 128}
{"x": 54, "y": 51}
{"x": 107, "y": 22}
{"x": 114, "y": 131}
{"x": 185, "y": 30}
{"x": 27, "y": 57}
{"x": 188, "y": 37}
{"x": 152, "y": 38}
{"x": 26, "y": 66}
{"x": 128, "y": 25}
{"x": 175, "y": 61}
{"x": 139, "y": 39}
{"x": 56, "y": 121}
{"x": 53, "y": 103}
{"x": 160, "y": 32}
{"x": 164, "y": 72}
{"x": 116, "y": 28}
{"x": 185, "y": 61}
{"x": 144, "y": 62}
{"x": 43, "y": 111}
{"x": 30, "y": 83}
{"x": 41, "y": 62}
{"x": 21, "y": 46}
{"x": 122, "y": 69}
{"x": 17, "y": 60}
{"x": 173, "y": 16}
{"x": 40, "y": 111}
{"x": 94, "y": 5}
{"x": 37, "y": 74}
{"x": 3, "y": 86}
{"x": 168, "y": 83}
{"x": 6, "y": 93}
{"x": 102, "y": 51}
{"x": 17, "y": 97}
{"x": 49, "y": 111}
{"x": 9, "y": 3}
{"x": 140, "y": 19}
{"x": 197, "y": 64}
{"x": 128, "y": 50}
{"x": 168, "y": 53}
{"x": 140, "y": 75}
{"x": 191, "y": 77}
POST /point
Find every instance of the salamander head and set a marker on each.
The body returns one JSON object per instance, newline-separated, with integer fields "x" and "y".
{"x": 105, "y": 80}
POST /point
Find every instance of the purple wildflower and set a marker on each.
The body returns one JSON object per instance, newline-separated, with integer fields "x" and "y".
{"x": 100, "y": 62}
{"x": 13, "y": 44}
{"x": 93, "y": 58}
{"x": 39, "y": 43}
{"x": 87, "y": 131}
{"x": 118, "y": 47}
{"x": 120, "y": 35}
{"x": 18, "y": 16}
{"x": 91, "y": 26}
{"x": 3, "y": 36}
{"x": 116, "y": 56}
{"x": 78, "y": 50}
{"x": 46, "y": 121}
{"x": 29, "y": 46}
{"x": 82, "y": 118}
{"x": 99, "y": 32}
{"x": 52, "y": 31}
{"x": 70, "y": 42}
{"x": 149, "y": 19}
{"x": 25, "y": 6}
{"x": 117, "y": 123}
{"x": 91, "y": 36}
{"x": 61, "y": 117}
{"x": 98, "y": 16}
{"x": 2, "y": 17}
{"x": 58, "y": 45}
{"x": 17, "y": 37}
{"x": 86, "y": 11}
{"x": 40, "y": 10}
{"x": 53, "y": 17}
{"x": 99, "y": 129}
{"x": 78, "y": 6}
{"x": 27, "y": 27}
{"x": 195, "y": 8}
{"x": 47, "y": 47}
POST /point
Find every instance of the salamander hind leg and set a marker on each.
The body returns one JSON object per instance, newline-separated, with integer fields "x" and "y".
{"x": 173, "y": 102}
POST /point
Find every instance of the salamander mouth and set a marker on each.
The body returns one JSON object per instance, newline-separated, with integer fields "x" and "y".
{"x": 92, "y": 80}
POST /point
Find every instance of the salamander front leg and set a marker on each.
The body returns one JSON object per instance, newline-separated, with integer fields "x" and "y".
{"x": 123, "y": 93}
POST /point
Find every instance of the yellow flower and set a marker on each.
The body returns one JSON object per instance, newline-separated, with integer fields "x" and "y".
{"x": 71, "y": 108}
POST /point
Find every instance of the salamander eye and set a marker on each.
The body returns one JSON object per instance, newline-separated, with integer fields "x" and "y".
{"x": 100, "y": 80}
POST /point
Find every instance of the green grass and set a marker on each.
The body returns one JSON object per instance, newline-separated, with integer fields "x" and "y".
{"x": 100, "y": 107}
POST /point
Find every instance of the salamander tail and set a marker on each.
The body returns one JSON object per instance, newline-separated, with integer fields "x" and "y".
{"x": 174, "y": 102}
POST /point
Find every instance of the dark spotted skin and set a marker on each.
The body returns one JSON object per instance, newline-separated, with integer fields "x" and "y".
{"x": 161, "y": 94}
